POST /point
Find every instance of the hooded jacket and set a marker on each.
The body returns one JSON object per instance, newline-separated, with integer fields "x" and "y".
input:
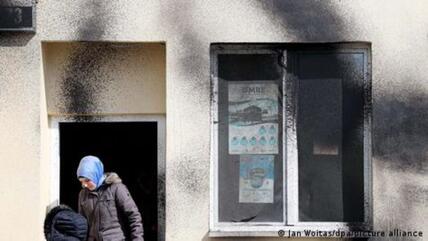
{"x": 64, "y": 224}
{"x": 111, "y": 212}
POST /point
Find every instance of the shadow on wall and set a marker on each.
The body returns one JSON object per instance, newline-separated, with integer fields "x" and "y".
{"x": 307, "y": 20}
{"x": 193, "y": 65}
{"x": 401, "y": 131}
{"x": 192, "y": 62}
{"x": 18, "y": 39}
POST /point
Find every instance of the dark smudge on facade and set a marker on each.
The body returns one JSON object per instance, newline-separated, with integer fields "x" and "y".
{"x": 415, "y": 193}
{"x": 320, "y": 22}
{"x": 190, "y": 177}
{"x": 83, "y": 78}
{"x": 399, "y": 127}
{"x": 193, "y": 64}
{"x": 401, "y": 131}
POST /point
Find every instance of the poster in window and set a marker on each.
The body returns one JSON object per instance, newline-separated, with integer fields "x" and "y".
{"x": 253, "y": 118}
{"x": 256, "y": 178}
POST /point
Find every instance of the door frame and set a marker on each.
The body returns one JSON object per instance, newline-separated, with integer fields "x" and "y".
{"x": 54, "y": 134}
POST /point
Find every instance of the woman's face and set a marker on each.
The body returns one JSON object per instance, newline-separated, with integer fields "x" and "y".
{"x": 86, "y": 183}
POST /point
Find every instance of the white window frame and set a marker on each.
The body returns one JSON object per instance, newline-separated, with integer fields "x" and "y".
{"x": 290, "y": 153}
{"x": 54, "y": 122}
{"x": 215, "y": 225}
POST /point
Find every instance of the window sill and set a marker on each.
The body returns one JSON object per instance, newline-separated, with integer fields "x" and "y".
{"x": 214, "y": 234}
{"x": 316, "y": 231}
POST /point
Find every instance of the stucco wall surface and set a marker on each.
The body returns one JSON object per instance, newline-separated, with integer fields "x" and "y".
{"x": 398, "y": 31}
{"x": 110, "y": 78}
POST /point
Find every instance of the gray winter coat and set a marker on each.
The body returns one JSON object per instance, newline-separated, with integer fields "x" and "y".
{"x": 111, "y": 212}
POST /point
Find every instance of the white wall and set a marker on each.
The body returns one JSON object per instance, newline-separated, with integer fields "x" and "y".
{"x": 396, "y": 29}
{"x": 104, "y": 78}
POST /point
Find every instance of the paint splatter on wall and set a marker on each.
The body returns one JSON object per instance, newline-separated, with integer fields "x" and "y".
{"x": 83, "y": 77}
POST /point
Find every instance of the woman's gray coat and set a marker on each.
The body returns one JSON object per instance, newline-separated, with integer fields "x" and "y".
{"x": 111, "y": 212}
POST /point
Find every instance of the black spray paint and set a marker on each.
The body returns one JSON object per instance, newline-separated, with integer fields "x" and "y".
{"x": 401, "y": 131}
{"x": 83, "y": 78}
{"x": 193, "y": 58}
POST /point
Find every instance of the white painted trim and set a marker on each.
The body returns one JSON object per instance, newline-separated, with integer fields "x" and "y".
{"x": 292, "y": 152}
{"x": 272, "y": 231}
{"x": 214, "y": 144}
{"x": 284, "y": 139}
{"x": 54, "y": 162}
{"x": 214, "y": 137}
{"x": 368, "y": 165}
{"x": 246, "y": 224}
{"x": 214, "y": 217}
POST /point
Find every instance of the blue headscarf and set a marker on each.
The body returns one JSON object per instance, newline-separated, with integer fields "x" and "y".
{"x": 92, "y": 168}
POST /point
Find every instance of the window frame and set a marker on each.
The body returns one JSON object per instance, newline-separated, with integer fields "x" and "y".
{"x": 214, "y": 224}
{"x": 289, "y": 143}
{"x": 292, "y": 152}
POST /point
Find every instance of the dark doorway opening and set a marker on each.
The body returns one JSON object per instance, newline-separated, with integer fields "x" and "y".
{"x": 127, "y": 148}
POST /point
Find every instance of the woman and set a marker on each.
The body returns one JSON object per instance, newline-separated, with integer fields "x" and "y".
{"x": 107, "y": 205}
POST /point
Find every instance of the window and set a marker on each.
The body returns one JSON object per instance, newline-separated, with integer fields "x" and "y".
{"x": 291, "y": 144}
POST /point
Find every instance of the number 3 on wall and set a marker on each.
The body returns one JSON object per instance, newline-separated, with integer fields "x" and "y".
{"x": 18, "y": 15}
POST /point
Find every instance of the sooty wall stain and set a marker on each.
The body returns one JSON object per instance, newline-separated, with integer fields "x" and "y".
{"x": 400, "y": 130}
{"x": 193, "y": 56}
{"x": 190, "y": 178}
{"x": 400, "y": 133}
{"x": 84, "y": 79}
{"x": 415, "y": 193}
{"x": 161, "y": 201}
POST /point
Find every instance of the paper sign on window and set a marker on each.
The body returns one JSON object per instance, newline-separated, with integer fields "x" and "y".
{"x": 256, "y": 178}
{"x": 253, "y": 118}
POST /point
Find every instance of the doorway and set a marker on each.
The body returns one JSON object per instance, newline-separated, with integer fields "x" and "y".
{"x": 130, "y": 148}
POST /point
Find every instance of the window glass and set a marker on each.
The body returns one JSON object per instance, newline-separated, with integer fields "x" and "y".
{"x": 326, "y": 146}
{"x": 250, "y": 177}
{"x": 330, "y": 121}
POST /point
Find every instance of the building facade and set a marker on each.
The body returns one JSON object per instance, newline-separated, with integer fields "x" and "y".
{"x": 152, "y": 86}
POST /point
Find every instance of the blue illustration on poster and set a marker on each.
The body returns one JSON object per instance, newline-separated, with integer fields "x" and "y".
{"x": 253, "y": 117}
{"x": 256, "y": 178}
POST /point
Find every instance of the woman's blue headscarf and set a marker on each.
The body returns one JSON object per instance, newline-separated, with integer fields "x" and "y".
{"x": 92, "y": 168}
